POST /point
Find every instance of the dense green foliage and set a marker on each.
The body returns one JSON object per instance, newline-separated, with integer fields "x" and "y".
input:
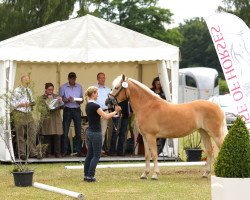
{"x": 223, "y": 87}
{"x": 197, "y": 49}
{"x": 234, "y": 157}
{"x": 238, "y": 7}
{"x": 19, "y": 16}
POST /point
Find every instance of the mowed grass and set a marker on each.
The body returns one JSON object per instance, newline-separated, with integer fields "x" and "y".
{"x": 177, "y": 183}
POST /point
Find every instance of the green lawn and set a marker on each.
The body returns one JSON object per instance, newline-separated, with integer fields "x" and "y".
{"x": 177, "y": 183}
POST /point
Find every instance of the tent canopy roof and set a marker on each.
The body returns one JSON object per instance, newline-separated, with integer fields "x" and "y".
{"x": 85, "y": 39}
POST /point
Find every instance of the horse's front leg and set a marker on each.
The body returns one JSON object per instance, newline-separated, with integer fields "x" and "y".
{"x": 153, "y": 149}
{"x": 147, "y": 159}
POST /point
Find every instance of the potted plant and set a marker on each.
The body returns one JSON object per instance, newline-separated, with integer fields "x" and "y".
{"x": 192, "y": 146}
{"x": 232, "y": 167}
{"x": 22, "y": 174}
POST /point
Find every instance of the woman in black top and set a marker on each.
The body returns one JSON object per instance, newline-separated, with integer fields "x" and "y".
{"x": 94, "y": 136}
{"x": 156, "y": 87}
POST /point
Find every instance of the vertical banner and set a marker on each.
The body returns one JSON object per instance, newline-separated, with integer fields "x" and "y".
{"x": 231, "y": 38}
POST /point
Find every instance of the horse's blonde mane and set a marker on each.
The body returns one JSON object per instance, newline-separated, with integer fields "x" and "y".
{"x": 118, "y": 80}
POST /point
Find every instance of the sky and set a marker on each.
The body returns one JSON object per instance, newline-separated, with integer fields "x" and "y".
{"x": 188, "y": 9}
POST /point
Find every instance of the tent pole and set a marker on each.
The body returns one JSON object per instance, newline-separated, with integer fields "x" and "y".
{"x": 7, "y": 74}
{"x": 139, "y": 73}
{"x": 174, "y": 66}
{"x": 58, "y": 77}
{"x": 163, "y": 75}
{"x": 171, "y": 145}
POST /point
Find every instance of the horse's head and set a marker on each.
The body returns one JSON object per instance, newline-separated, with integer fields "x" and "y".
{"x": 118, "y": 92}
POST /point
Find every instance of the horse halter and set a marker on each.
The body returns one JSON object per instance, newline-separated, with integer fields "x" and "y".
{"x": 123, "y": 86}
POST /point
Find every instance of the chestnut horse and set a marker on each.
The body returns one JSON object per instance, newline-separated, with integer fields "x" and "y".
{"x": 157, "y": 118}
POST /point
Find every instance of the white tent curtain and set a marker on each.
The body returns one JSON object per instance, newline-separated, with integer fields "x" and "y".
{"x": 170, "y": 148}
{"x": 7, "y": 77}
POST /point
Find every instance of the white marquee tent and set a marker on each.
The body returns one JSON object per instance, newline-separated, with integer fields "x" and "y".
{"x": 83, "y": 41}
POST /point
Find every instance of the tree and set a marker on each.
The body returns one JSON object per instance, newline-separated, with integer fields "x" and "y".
{"x": 237, "y": 7}
{"x": 142, "y": 16}
{"x": 197, "y": 48}
{"x": 173, "y": 36}
{"x": 85, "y": 7}
{"x": 19, "y": 16}
{"x": 223, "y": 87}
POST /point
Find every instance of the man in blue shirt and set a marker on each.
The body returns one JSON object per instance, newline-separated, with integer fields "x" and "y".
{"x": 103, "y": 92}
{"x": 72, "y": 95}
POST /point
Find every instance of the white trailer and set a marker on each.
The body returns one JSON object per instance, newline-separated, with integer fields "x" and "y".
{"x": 197, "y": 83}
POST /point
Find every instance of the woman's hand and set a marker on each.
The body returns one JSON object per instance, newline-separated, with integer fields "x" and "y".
{"x": 118, "y": 109}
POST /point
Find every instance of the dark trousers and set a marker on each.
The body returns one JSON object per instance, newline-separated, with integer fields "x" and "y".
{"x": 54, "y": 144}
{"x": 94, "y": 145}
{"x": 70, "y": 114}
{"x": 118, "y": 146}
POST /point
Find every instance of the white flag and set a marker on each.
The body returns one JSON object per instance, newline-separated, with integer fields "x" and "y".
{"x": 231, "y": 38}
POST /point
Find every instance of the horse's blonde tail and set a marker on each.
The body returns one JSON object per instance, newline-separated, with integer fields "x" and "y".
{"x": 224, "y": 127}
{"x": 219, "y": 141}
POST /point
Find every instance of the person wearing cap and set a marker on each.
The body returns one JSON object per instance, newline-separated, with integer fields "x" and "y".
{"x": 103, "y": 92}
{"x": 72, "y": 96}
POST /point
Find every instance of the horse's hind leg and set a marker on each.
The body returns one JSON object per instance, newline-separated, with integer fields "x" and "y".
{"x": 209, "y": 150}
{"x": 218, "y": 141}
{"x": 147, "y": 159}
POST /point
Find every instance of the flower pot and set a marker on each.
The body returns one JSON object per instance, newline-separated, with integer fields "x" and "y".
{"x": 230, "y": 188}
{"x": 193, "y": 154}
{"x": 23, "y": 179}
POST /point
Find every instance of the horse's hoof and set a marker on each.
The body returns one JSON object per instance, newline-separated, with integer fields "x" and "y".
{"x": 205, "y": 175}
{"x": 143, "y": 177}
{"x": 154, "y": 177}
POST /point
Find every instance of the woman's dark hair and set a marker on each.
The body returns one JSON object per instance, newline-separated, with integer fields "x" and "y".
{"x": 154, "y": 81}
{"x": 47, "y": 85}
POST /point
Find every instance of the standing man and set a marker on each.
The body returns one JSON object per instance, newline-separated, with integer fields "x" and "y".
{"x": 22, "y": 102}
{"x": 72, "y": 96}
{"x": 120, "y": 127}
{"x": 103, "y": 92}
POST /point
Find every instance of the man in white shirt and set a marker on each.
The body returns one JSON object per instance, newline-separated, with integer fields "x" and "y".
{"x": 22, "y": 101}
{"x": 103, "y": 92}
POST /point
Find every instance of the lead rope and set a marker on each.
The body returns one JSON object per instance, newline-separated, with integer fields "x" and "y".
{"x": 117, "y": 128}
